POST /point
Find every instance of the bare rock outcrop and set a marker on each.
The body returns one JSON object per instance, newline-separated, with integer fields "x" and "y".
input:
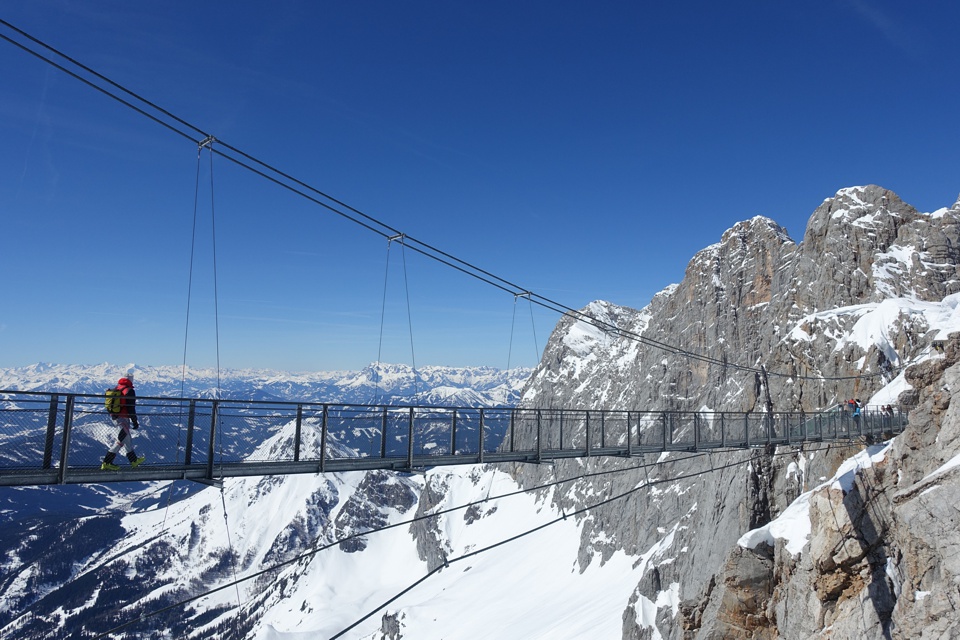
{"x": 883, "y": 556}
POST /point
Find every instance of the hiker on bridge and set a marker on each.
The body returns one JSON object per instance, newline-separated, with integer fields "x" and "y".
{"x": 857, "y": 407}
{"x": 121, "y": 406}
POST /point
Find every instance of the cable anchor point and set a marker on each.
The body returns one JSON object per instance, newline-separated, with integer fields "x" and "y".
{"x": 399, "y": 237}
{"x": 206, "y": 142}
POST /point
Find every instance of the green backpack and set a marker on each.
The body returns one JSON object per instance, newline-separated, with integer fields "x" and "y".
{"x": 114, "y": 401}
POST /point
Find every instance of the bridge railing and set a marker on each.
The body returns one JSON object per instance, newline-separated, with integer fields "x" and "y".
{"x": 57, "y": 434}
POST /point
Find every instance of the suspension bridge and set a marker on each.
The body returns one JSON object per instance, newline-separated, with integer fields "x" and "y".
{"x": 60, "y": 438}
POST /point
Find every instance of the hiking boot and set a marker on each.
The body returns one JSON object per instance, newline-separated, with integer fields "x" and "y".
{"x": 136, "y": 463}
{"x": 106, "y": 466}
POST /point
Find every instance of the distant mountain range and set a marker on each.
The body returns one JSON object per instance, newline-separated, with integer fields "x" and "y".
{"x": 374, "y": 384}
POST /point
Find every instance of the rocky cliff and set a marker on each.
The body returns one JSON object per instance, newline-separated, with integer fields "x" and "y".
{"x": 761, "y": 323}
{"x": 881, "y": 560}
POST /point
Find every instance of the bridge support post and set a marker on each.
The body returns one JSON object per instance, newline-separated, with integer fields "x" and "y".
{"x": 191, "y": 416}
{"x": 453, "y": 434}
{"x": 664, "y": 419}
{"x": 746, "y": 429}
{"x": 213, "y": 438}
{"x": 723, "y": 433}
{"x": 513, "y": 430}
{"x": 539, "y": 437}
{"x": 323, "y": 437}
{"x": 51, "y": 431}
{"x": 481, "y": 436}
{"x": 587, "y": 418}
{"x": 561, "y": 428}
{"x": 410, "y": 440}
{"x": 65, "y": 445}
{"x": 296, "y": 437}
{"x": 630, "y": 436}
{"x": 383, "y": 435}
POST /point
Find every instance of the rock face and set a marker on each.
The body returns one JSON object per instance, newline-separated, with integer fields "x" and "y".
{"x": 762, "y": 323}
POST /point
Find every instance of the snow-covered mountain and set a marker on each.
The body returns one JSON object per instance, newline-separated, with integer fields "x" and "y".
{"x": 762, "y": 323}
{"x": 823, "y": 541}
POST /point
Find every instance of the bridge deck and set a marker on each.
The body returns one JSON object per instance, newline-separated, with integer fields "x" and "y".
{"x": 49, "y": 438}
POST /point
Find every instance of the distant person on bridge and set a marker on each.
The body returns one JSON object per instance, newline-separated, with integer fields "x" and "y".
{"x": 121, "y": 406}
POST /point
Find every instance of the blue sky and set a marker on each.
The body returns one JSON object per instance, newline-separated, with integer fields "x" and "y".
{"x": 581, "y": 150}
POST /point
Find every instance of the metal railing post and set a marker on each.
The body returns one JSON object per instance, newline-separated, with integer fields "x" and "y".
{"x": 481, "y": 436}
{"x": 51, "y": 431}
{"x": 191, "y": 416}
{"x": 296, "y": 440}
{"x": 630, "y": 435}
{"x": 513, "y": 430}
{"x": 587, "y": 413}
{"x": 453, "y": 434}
{"x": 323, "y": 438}
{"x": 211, "y": 448}
{"x": 410, "y": 440}
{"x": 561, "y": 429}
{"x": 664, "y": 420}
{"x": 383, "y": 435}
{"x": 65, "y": 445}
{"x": 746, "y": 429}
{"x": 539, "y": 436}
{"x": 723, "y": 432}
